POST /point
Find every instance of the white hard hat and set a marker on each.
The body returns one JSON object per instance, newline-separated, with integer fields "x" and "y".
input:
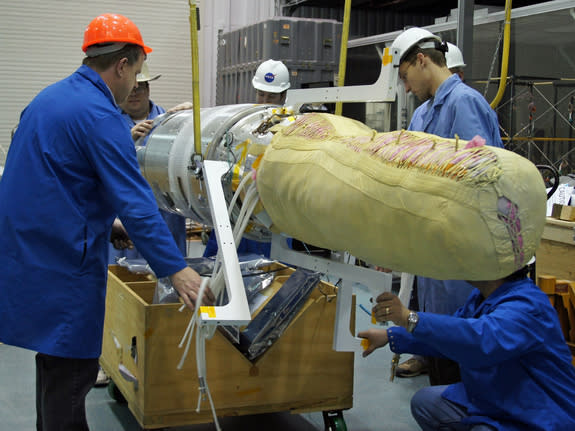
{"x": 408, "y": 39}
{"x": 453, "y": 56}
{"x": 271, "y": 76}
{"x": 144, "y": 75}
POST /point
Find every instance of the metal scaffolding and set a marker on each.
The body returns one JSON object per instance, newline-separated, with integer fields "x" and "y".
{"x": 538, "y": 120}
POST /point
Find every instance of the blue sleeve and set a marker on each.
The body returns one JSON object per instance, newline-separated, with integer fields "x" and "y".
{"x": 111, "y": 151}
{"x": 416, "y": 122}
{"x": 513, "y": 328}
{"x": 129, "y": 122}
{"x": 401, "y": 341}
{"x": 155, "y": 110}
{"x": 472, "y": 116}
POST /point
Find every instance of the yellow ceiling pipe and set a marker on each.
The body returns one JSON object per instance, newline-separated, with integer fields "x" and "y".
{"x": 195, "y": 77}
{"x": 343, "y": 52}
{"x": 504, "y": 55}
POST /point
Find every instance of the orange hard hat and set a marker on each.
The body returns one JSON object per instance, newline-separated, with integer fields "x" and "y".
{"x": 110, "y": 28}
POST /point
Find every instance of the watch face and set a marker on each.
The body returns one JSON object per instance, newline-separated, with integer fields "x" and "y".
{"x": 412, "y": 320}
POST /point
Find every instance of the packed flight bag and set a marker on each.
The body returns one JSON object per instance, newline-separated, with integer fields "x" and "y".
{"x": 409, "y": 201}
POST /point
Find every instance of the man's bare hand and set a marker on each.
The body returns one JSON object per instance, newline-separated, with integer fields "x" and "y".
{"x": 388, "y": 307}
{"x": 187, "y": 282}
{"x": 181, "y": 107}
{"x": 376, "y": 338}
{"x": 141, "y": 129}
{"x": 119, "y": 236}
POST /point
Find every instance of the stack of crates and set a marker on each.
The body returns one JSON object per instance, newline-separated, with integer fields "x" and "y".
{"x": 308, "y": 47}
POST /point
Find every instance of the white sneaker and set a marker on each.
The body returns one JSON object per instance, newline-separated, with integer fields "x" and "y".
{"x": 103, "y": 379}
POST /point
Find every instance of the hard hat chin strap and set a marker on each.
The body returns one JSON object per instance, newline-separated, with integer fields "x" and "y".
{"x": 104, "y": 48}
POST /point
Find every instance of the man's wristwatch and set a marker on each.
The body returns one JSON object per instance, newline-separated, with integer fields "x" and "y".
{"x": 412, "y": 321}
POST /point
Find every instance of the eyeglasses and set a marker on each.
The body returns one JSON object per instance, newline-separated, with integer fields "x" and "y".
{"x": 142, "y": 87}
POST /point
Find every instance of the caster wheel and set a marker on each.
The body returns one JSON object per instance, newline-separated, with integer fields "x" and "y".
{"x": 115, "y": 393}
{"x": 334, "y": 421}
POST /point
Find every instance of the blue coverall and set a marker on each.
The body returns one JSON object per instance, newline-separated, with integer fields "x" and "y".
{"x": 71, "y": 168}
{"x": 515, "y": 365}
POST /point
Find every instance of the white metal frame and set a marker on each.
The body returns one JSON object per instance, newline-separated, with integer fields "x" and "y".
{"x": 376, "y": 281}
{"x": 236, "y": 312}
{"x": 383, "y": 90}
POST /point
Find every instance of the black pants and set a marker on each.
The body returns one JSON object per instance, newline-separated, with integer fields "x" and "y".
{"x": 443, "y": 371}
{"x": 61, "y": 388}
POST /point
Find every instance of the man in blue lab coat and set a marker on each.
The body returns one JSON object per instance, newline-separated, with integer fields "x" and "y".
{"x": 71, "y": 168}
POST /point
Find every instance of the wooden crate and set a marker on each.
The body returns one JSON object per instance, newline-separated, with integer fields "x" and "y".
{"x": 561, "y": 293}
{"x": 563, "y": 212}
{"x": 556, "y": 253}
{"x": 300, "y": 372}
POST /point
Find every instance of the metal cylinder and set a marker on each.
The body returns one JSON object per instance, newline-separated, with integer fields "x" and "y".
{"x": 168, "y": 162}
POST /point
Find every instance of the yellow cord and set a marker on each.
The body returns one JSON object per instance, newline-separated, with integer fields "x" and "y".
{"x": 504, "y": 55}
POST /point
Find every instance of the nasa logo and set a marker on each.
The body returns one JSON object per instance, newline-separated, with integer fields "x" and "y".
{"x": 269, "y": 77}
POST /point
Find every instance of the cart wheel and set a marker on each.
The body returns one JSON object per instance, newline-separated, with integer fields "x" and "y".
{"x": 115, "y": 393}
{"x": 334, "y": 421}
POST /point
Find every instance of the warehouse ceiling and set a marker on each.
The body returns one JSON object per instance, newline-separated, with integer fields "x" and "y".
{"x": 373, "y": 17}
{"x": 435, "y": 8}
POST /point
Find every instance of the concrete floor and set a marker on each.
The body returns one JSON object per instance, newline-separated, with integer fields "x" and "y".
{"x": 378, "y": 403}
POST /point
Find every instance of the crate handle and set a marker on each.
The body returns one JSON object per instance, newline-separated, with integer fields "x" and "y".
{"x": 116, "y": 342}
{"x": 127, "y": 375}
